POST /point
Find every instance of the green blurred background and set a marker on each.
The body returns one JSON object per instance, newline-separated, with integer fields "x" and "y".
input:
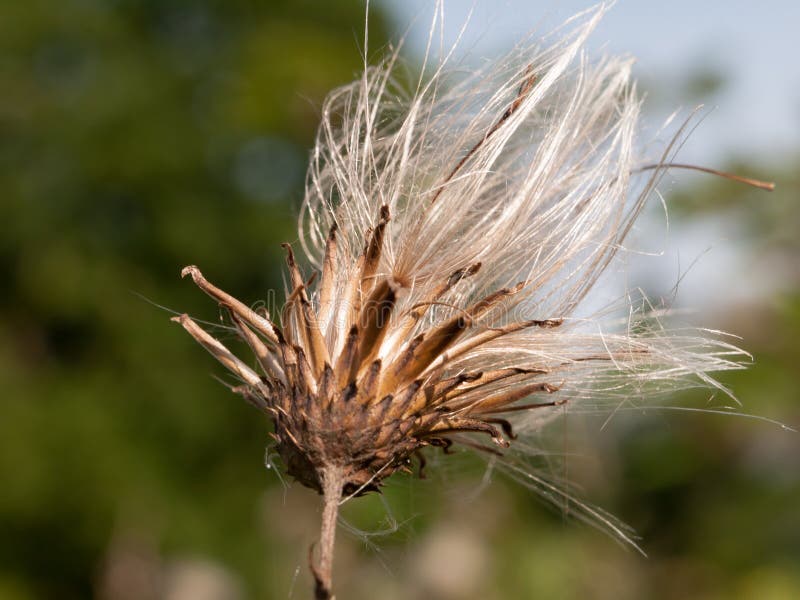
{"x": 140, "y": 136}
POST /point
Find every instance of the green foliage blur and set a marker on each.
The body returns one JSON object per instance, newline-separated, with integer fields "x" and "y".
{"x": 139, "y": 136}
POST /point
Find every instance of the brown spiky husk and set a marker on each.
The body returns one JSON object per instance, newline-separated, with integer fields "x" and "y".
{"x": 350, "y": 410}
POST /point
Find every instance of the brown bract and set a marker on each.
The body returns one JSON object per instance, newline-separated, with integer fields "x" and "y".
{"x": 351, "y": 412}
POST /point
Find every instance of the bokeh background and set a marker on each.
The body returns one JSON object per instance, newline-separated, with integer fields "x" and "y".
{"x": 138, "y": 136}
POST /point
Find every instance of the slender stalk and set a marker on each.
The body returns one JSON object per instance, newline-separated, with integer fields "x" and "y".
{"x": 331, "y": 494}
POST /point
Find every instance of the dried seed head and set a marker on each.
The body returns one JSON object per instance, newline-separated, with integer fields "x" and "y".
{"x": 457, "y": 229}
{"x": 366, "y": 408}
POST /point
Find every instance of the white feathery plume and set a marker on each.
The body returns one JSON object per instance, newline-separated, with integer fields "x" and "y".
{"x": 523, "y": 167}
{"x": 457, "y": 228}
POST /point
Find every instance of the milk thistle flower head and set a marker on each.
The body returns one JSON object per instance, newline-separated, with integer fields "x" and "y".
{"x": 454, "y": 229}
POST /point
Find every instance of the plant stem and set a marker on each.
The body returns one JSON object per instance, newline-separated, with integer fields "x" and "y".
{"x": 331, "y": 495}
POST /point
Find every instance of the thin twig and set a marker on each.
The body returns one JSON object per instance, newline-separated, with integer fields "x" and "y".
{"x": 764, "y": 185}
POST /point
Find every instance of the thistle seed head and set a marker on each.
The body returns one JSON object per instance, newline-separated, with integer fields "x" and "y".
{"x": 455, "y": 230}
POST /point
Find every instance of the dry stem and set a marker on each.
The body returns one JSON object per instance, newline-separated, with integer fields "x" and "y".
{"x": 331, "y": 494}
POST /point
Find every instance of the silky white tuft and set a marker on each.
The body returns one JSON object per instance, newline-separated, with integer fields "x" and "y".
{"x": 526, "y": 167}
